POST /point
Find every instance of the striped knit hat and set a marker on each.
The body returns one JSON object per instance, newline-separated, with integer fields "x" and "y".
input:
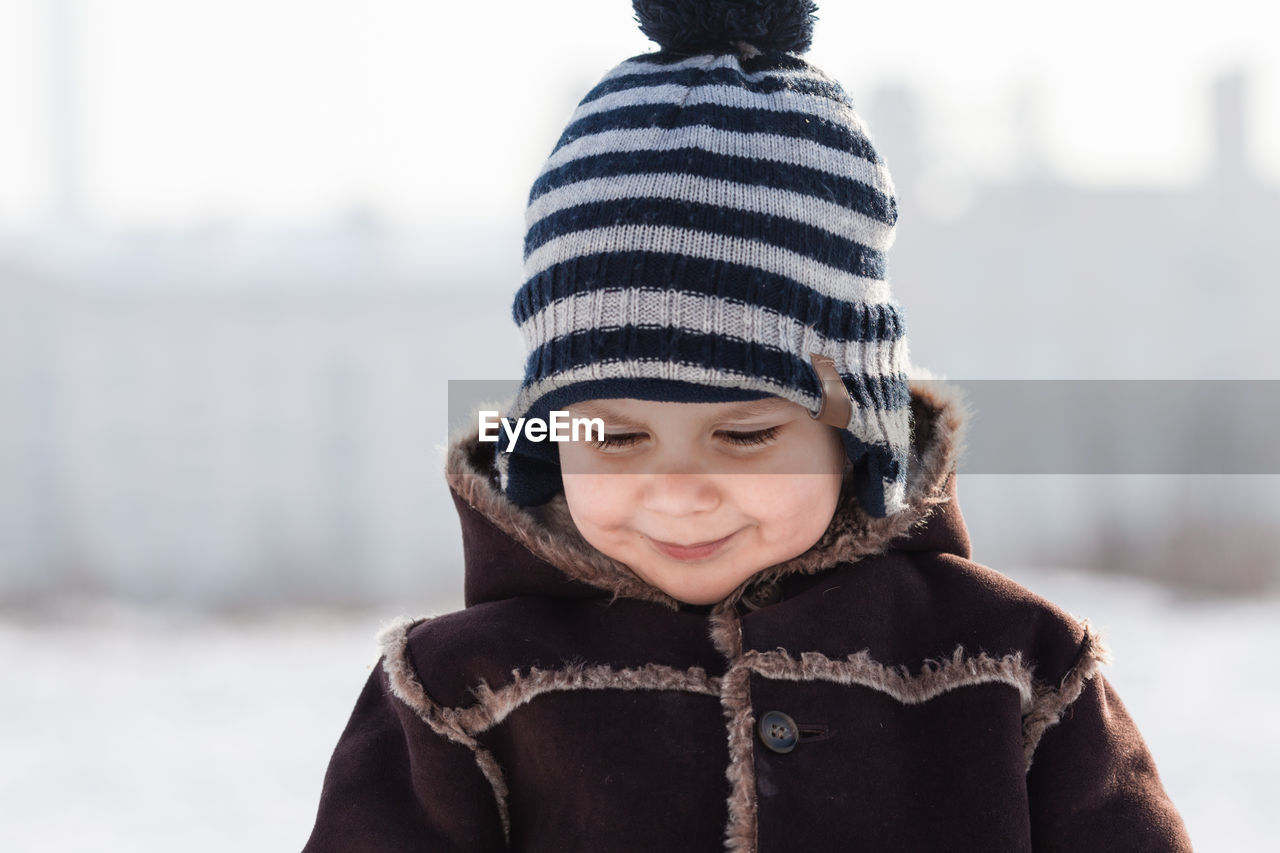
{"x": 712, "y": 226}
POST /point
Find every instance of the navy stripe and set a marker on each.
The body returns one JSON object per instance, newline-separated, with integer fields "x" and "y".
{"x": 677, "y": 346}
{"x": 671, "y": 346}
{"x": 828, "y": 89}
{"x": 562, "y": 395}
{"x": 837, "y": 189}
{"x": 835, "y": 319}
{"x": 877, "y": 392}
{"x": 769, "y": 60}
{"x": 799, "y": 125}
{"x": 776, "y": 60}
{"x": 810, "y": 241}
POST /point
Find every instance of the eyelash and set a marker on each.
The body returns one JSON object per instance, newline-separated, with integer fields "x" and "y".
{"x": 741, "y": 439}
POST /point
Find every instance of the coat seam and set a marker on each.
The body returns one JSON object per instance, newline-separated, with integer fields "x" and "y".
{"x": 494, "y": 706}
{"x": 1041, "y": 704}
{"x": 725, "y": 632}
{"x": 1051, "y": 703}
{"x": 934, "y": 679}
{"x": 406, "y": 686}
{"x": 462, "y": 724}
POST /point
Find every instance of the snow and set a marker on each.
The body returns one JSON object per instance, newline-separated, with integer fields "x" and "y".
{"x": 127, "y": 728}
{"x": 138, "y": 731}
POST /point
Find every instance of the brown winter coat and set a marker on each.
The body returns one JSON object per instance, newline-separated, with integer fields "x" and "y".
{"x": 570, "y": 706}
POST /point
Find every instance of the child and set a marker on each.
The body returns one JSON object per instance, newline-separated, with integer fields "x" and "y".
{"x": 746, "y": 616}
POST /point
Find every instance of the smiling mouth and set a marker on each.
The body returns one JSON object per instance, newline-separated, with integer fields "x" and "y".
{"x": 697, "y": 551}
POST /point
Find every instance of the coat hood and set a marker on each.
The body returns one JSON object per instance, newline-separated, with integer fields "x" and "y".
{"x": 512, "y": 550}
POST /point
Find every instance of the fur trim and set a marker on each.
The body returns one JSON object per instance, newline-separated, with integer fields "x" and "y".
{"x": 461, "y": 725}
{"x": 394, "y": 641}
{"x": 726, "y": 630}
{"x": 740, "y": 720}
{"x": 1050, "y": 703}
{"x": 493, "y": 772}
{"x": 935, "y": 678}
{"x": 939, "y": 415}
{"x": 548, "y": 532}
{"x": 494, "y": 706}
{"x": 735, "y": 700}
{"x": 1042, "y": 705}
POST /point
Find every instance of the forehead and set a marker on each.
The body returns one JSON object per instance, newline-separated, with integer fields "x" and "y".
{"x": 631, "y": 409}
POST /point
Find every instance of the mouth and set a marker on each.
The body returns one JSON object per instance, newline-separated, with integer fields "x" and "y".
{"x": 696, "y": 551}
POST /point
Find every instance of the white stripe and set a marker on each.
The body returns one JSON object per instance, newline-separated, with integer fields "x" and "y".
{"x": 825, "y": 279}
{"x": 834, "y": 218}
{"x": 702, "y": 314}
{"x": 732, "y": 96}
{"x": 705, "y": 60}
{"x": 895, "y": 496}
{"x": 758, "y": 146}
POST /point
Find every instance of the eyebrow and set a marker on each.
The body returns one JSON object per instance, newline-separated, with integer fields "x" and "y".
{"x": 751, "y": 408}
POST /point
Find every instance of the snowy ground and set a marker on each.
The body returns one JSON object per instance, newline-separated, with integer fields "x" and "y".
{"x": 129, "y": 730}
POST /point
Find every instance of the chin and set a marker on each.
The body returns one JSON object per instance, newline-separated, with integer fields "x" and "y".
{"x": 696, "y": 594}
{"x": 698, "y": 599}
{"x": 681, "y": 581}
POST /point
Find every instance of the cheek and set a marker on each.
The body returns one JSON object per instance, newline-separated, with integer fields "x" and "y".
{"x": 794, "y": 506}
{"x": 597, "y": 503}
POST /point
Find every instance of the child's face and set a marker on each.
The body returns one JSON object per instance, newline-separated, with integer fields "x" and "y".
{"x": 698, "y": 497}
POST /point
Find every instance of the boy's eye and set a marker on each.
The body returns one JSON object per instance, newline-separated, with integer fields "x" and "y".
{"x": 753, "y": 438}
{"x": 617, "y": 440}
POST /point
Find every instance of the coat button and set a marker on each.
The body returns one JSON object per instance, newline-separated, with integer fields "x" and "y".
{"x": 762, "y": 596}
{"x": 778, "y": 731}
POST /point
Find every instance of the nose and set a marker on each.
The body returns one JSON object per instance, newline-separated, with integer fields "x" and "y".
{"x": 679, "y": 494}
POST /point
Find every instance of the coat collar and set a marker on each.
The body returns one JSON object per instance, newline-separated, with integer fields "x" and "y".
{"x": 511, "y": 550}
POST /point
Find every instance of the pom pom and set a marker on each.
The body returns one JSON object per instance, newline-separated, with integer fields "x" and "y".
{"x": 689, "y": 27}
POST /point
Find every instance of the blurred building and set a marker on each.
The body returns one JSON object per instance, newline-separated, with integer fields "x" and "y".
{"x": 222, "y": 417}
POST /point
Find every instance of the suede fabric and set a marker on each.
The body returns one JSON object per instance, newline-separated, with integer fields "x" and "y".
{"x": 938, "y": 705}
